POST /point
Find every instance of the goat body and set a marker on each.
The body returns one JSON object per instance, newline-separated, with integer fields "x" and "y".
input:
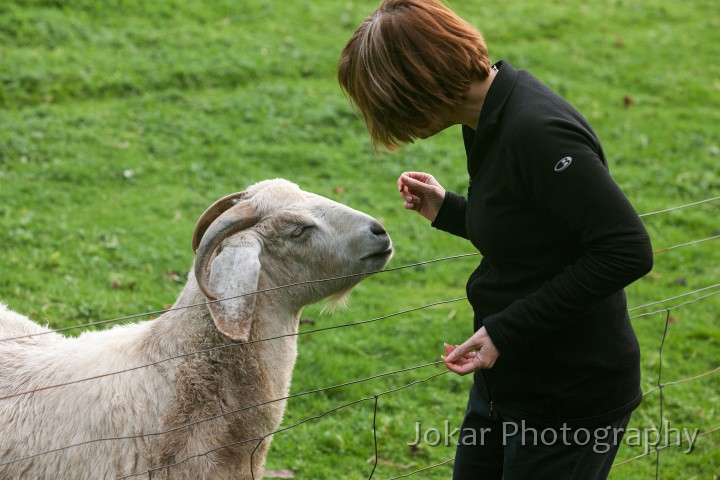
{"x": 177, "y": 414}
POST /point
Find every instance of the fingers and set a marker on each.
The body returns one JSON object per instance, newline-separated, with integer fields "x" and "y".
{"x": 450, "y": 348}
{"x": 461, "y": 364}
{"x": 400, "y": 183}
{"x": 415, "y": 183}
{"x": 421, "y": 193}
{"x": 466, "y": 364}
{"x": 462, "y": 350}
{"x": 478, "y": 352}
{"x": 421, "y": 176}
{"x": 412, "y": 202}
{"x": 418, "y": 180}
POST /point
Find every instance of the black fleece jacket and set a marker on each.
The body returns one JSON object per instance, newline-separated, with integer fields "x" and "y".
{"x": 559, "y": 241}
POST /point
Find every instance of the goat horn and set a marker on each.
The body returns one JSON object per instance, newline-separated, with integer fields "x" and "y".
{"x": 213, "y": 212}
{"x": 233, "y": 220}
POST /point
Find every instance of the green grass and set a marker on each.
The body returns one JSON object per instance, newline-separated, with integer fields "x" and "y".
{"x": 120, "y": 121}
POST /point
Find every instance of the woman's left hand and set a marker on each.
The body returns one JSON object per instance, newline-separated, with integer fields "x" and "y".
{"x": 478, "y": 352}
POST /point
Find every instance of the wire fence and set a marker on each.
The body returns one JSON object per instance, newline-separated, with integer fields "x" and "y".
{"x": 707, "y": 291}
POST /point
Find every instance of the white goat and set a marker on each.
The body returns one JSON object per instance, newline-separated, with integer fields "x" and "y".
{"x": 272, "y": 234}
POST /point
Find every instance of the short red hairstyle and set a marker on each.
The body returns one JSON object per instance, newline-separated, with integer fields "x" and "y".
{"x": 408, "y": 67}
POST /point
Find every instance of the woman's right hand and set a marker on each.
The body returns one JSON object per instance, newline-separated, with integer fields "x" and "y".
{"x": 422, "y": 193}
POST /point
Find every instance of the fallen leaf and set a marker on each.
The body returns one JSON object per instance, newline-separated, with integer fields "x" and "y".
{"x": 175, "y": 276}
{"x": 415, "y": 449}
{"x": 279, "y": 474}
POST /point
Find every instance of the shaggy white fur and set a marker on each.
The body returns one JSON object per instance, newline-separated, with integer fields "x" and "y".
{"x": 295, "y": 236}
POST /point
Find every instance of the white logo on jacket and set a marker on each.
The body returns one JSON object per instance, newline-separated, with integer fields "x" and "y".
{"x": 563, "y": 164}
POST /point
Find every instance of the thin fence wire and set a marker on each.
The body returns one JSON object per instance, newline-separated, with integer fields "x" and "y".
{"x": 230, "y": 345}
{"x": 279, "y": 287}
{"x": 675, "y": 307}
{"x": 444, "y": 462}
{"x": 714, "y": 199}
{"x": 663, "y": 447}
{"x": 618, "y": 464}
{"x": 694, "y": 242}
{"x": 222, "y": 415}
{"x": 375, "y": 441}
{"x": 283, "y": 336}
{"x": 188, "y": 425}
{"x": 660, "y": 385}
{"x": 352, "y": 324}
{"x": 375, "y": 409}
{"x": 684, "y": 380}
{"x": 315, "y": 331}
{"x": 302, "y": 422}
{"x": 710, "y": 287}
{"x": 645, "y": 454}
{"x": 208, "y": 302}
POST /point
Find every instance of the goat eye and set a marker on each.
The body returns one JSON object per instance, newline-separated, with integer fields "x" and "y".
{"x": 300, "y": 230}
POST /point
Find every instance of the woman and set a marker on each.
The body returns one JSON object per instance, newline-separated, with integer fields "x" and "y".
{"x": 555, "y": 359}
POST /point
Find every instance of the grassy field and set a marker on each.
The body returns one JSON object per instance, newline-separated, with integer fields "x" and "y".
{"x": 121, "y": 120}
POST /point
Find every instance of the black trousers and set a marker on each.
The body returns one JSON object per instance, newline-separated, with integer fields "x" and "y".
{"x": 493, "y": 447}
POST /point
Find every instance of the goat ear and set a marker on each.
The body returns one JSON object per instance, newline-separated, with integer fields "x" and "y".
{"x": 234, "y": 273}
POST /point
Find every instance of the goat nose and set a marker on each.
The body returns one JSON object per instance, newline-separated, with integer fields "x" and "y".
{"x": 377, "y": 229}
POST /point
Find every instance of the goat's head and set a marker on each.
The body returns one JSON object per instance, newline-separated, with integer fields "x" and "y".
{"x": 275, "y": 234}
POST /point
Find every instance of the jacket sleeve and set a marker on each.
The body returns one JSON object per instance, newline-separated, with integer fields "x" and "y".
{"x": 560, "y": 171}
{"x": 451, "y": 216}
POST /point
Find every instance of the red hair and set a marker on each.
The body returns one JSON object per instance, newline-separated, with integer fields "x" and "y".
{"x": 408, "y": 67}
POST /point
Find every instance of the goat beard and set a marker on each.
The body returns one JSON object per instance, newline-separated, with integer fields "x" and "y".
{"x": 337, "y": 301}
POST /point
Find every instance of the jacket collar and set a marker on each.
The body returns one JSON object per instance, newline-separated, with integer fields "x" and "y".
{"x": 498, "y": 93}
